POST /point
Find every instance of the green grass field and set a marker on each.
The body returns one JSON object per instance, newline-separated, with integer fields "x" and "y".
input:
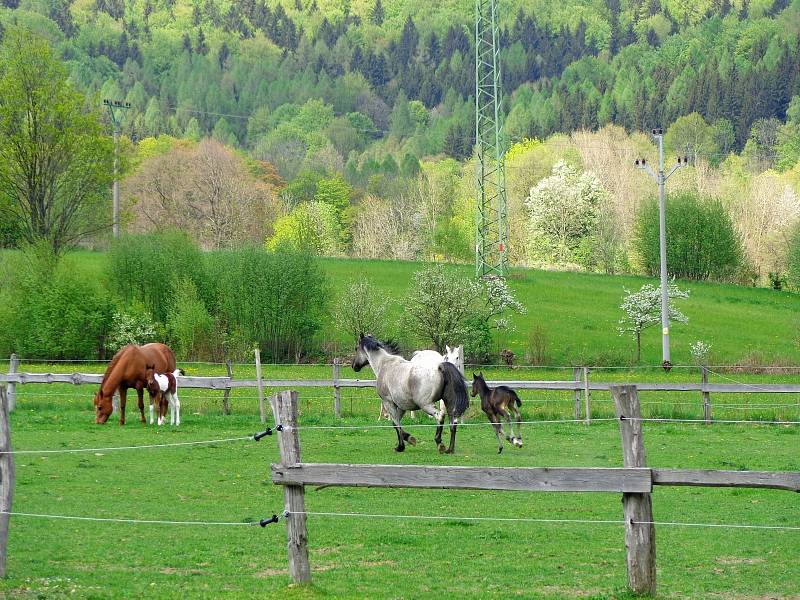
{"x": 359, "y": 557}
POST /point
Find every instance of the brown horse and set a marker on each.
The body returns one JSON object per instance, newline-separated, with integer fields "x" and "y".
{"x": 128, "y": 370}
{"x": 496, "y": 402}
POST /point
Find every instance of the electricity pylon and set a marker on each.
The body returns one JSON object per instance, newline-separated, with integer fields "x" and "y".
{"x": 116, "y": 120}
{"x": 491, "y": 244}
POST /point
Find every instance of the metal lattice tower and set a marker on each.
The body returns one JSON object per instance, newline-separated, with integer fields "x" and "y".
{"x": 491, "y": 245}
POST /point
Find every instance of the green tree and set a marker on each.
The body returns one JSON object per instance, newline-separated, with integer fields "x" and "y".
{"x": 56, "y": 162}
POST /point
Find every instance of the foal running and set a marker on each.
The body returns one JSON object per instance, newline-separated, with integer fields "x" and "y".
{"x": 495, "y": 403}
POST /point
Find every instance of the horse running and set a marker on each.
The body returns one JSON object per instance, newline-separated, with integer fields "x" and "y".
{"x": 128, "y": 370}
{"x": 495, "y": 403}
{"x": 163, "y": 389}
{"x": 404, "y": 385}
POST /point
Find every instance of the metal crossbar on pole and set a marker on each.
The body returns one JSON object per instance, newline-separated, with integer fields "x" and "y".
{"x": 491, "y": 245}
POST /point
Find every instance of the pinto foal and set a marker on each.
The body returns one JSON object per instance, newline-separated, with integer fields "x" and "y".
{"x": 496, "y": 403}
{"x": 164, "y": 392}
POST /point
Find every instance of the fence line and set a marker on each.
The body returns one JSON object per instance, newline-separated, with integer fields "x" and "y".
{"x": 141, "y": 447}
{"x": 136, "y": 521}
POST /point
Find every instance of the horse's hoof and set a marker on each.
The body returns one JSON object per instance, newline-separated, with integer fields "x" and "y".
{"x": 442, "y": 449}
{"x": 399, "y": 448}
{"x": 412, "y": 440}
{"x": 449, "y": 451}
{"x": 500, "y": 450}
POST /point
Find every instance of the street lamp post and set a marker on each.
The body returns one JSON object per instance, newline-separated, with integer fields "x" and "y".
{"x": 115, "y": 119}
{"x": 661, "y": 180}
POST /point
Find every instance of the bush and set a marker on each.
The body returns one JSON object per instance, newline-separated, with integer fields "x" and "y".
{"x": 275, "y": 300}
{"x": 53, "y": 311}
{"x": 191, "y": 328}
{"x": 146, "y": 268}
{"x": 701, "y": 240}
{"x": 793, "y": 259}
{"x": 133, "y": 326}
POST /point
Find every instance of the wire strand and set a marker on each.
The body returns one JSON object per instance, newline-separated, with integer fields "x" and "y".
{"x": 147, "y": 446}
{"x": 136, "y": 521}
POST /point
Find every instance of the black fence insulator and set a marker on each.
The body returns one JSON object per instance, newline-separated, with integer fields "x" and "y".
{"x": 257, "y": 436}
{"x": 265, "y": 522}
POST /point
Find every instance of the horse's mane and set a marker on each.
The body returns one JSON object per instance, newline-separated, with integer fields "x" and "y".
{"x": 370, "y": 344}
{"x": 115, "y": 359}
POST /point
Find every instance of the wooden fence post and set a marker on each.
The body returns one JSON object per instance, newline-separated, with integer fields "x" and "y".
{"x": 640, "y": 533}
{"x": 11, "y": 394}
{"x": 587, "y": 395}
{"x": 226, "y": 407}
{"x": 284, "y": 408}
{"x": 7, "y": 477}
{"x": 576, "y": 375}
{"x": 706, "y": 395}
{"x": 337, "y": 391}
{"x": 260, "y": 382}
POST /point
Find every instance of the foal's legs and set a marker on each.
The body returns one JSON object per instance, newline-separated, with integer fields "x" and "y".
{"x": 511, "y": 437}
{"x": 518, "y": 421}
{"x": 498, "y": 430}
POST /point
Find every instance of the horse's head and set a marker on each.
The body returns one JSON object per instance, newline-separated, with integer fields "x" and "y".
{"x": 152, "y": 384}
{"x": 360, "y": 358}
{"x": 102, "y": 407}
{"x": 477, "y": 380}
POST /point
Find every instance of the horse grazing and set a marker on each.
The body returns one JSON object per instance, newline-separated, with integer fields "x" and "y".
{"x": 495, "y": 403}
{"x": 404, "y": 385}
{"x": 128, "y": 370}
{"x": 163, "y": 390}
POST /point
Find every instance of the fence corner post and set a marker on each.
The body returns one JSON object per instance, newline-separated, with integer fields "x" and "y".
{"x": 260, "y": 382}
{"x": 576, "y": 376}
{"x": 706, "y": 395}
{"x": 640, "y": 532}
{"x": 284, "y": 408}
{"x": 7, "y": 477}
{"x": 226, "y": 407}
{"x": 587, "y": 394}
{"x": 11, "y": 393}
{"x": 337, "y": 391}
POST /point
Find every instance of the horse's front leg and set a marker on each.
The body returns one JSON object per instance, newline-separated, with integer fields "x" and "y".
{"x": 140, "y": 394}
{"x": 498, "y": 431}
{"x": 123, "y": 394}
{"x": 395, "y": 414}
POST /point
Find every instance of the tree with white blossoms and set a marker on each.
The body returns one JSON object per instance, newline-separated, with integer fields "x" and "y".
{"x": 564, "y": 210}
{"x": 643, "y": 310}
{"x": 445, "y": 308}
{"x": 361, "y": 309}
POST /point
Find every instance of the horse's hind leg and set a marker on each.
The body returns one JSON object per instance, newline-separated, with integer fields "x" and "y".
{"x": 439, "y": 428}
{"x": 507, "y": 418}
{"x": 518, "y": 421}
{"x": 453, "y": 427}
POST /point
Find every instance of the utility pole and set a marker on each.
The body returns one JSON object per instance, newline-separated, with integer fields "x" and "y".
{"x": 491, "y": 243}
{"x": 116, "y": 120}
{"x": 661, "y": 179}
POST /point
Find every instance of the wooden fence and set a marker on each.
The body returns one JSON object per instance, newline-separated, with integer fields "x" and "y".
{"x": 634, "y": 481}
{"x": 582, "y": 385}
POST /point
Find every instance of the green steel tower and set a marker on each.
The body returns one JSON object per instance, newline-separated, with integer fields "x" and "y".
{"x": 491, "y": 246}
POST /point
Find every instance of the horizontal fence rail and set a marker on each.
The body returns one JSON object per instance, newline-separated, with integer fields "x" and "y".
{"x": 223, "y": 383}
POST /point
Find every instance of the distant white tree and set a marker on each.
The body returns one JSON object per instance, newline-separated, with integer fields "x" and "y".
{"x": 563, "y": 211}
{"x": 643, "y": 309}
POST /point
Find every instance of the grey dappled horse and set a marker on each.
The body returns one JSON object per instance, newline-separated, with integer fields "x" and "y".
{"x": 404, "y": 385}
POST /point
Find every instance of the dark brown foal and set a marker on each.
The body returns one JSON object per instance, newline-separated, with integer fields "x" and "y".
{"x": 496, "y": 404}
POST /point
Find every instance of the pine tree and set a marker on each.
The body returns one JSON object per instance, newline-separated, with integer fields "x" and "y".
{"x": 201, "y": 47}
{"x": 409, "y": 39}
{"x": 197, "y": 16}
{"x": 376, "y": 15}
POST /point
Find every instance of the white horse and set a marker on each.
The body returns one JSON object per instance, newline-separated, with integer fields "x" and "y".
{"x": 404, "y": 385}
{"x": 161, "y": 387}
{"x": 433, "y": 359}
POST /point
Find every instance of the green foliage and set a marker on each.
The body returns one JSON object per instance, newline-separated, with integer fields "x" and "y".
{"x": 53, "y": 310}
{"x": 145, "y": 269}
{"x": 311, "y": 227}
{"x": 55, "y": 158}
{"x": 701, "y": 240}
{"x": 190, "y": 326}
{"x": 793, "y": 259}
{"x": 273, "y": 299}
{"x": 360, "y": 310}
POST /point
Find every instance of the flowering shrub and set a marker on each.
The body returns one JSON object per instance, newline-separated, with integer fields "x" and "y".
{"x": 643, "y": 309}
{"x": 700, "y": 352}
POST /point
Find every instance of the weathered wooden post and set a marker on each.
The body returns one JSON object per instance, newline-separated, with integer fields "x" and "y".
{"x": 640, "y": 533}
{"x": 284, "y": 409}
{"x": 337, "y": 392}
{"x": 576, "y": 375}
{"x": 260, "y": 382}
{"x": 7, "y": 476}
{"x": 706, "y": 395}
{"x": 587, "y": 395}
{"x": 13, "y": 367}
{"x": 226, "y": 407}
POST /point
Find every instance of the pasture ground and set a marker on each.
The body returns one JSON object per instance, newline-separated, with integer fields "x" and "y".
{"x": 356, "y": 557}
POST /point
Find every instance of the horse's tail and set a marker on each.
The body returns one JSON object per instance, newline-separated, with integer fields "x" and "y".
{"x": 454, "y": 392}
{"x": 516, "y": 398}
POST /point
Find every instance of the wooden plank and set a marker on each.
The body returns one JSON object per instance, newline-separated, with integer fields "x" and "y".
{"x": 534, "y": 479}
{"x": 284, "y": 409}
{"x": 776, "y": 480}
{"x": 7, "y": 478}
{"x": 640, "y": 533}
